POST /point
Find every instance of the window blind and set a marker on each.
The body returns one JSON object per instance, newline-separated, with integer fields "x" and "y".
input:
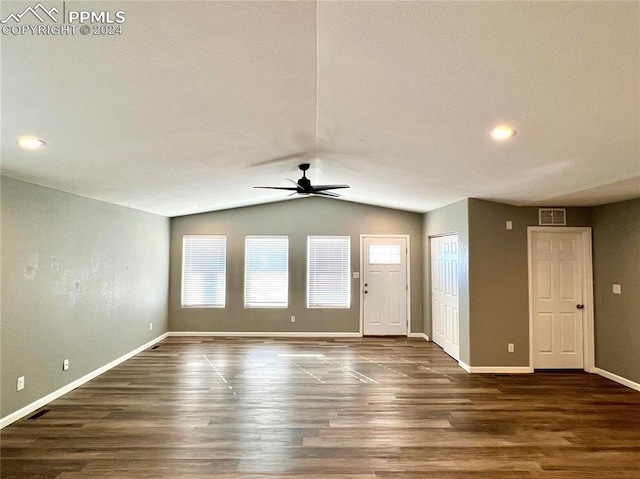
{"x": 204, "y": 270}
{"x": 328, "y": 272}
{"x": 266, "y": 271}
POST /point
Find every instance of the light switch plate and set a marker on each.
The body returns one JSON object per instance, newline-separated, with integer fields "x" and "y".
{"x": 617, "y": 289}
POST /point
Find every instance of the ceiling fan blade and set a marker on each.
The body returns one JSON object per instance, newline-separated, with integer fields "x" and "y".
{"x": 288, "y": 188}
{"x": 304, "y": 187}
{"x": 328, "y": 187}
{"x": 325, "y": 193}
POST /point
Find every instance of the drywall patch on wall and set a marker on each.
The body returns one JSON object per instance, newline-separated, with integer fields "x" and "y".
{"x": 81, "y": 280}
{"x": 32, "y": 267}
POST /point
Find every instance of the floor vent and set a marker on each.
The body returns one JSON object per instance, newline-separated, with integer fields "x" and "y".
{"x": 552, "y": 216}
{"x": 155, "y": 347}
{"x": 39, "y": 414}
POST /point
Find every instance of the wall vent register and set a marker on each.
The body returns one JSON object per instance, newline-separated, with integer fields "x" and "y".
{"x": 552, "y": 216}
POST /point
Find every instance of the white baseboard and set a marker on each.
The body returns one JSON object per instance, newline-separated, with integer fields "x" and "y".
{"x": 464, "y": 366}
{"x": 495, "y": 369}
{"x": 282, "y": 334}
{"x": 28, "y": 409}
{"x": 255, "y": 334}
{"x": 419, "y": 335}
{"x": 618, "y": 379}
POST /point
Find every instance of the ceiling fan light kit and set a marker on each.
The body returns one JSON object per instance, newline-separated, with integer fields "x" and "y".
{"x": 304, "y": 187}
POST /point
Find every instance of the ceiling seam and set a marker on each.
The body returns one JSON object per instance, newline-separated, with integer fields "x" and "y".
{"x": 315, "y": 153}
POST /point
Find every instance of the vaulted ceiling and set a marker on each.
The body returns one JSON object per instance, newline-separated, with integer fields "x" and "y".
{"x": 197, "y": 102}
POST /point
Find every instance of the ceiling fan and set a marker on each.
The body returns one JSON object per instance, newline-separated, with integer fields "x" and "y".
{"x": 304, "y": 187}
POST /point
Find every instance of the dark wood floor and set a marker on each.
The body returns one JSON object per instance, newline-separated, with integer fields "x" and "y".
{"x": 345, "y": 408}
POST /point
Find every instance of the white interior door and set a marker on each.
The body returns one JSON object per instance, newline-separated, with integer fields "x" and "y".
{"x": 385, "y": 285}
{"x": 557, "y": 300}
{"x": 445, "y": 309}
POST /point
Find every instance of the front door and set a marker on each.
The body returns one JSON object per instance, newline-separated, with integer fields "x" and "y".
{"x": 385, "y": 285}
{"x": 557, "y": 300}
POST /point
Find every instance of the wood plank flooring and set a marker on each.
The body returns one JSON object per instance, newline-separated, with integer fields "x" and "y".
{"x": 370, "y": 408}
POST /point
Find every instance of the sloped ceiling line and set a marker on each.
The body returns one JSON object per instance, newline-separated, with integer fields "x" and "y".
{"x": 197, "y": 102}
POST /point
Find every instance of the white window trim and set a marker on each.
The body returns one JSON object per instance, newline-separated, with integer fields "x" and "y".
{"x": 182, "y": 292}
{"x": 347, "y": 273}
{"x": 285, "y": 303}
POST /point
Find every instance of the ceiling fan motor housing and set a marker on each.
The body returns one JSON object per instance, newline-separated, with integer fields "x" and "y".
{"x": 304, "y": 187}
{"x": 304, "y": 184}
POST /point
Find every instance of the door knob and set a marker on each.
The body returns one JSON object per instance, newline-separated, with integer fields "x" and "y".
{"x": 580, "y": 306}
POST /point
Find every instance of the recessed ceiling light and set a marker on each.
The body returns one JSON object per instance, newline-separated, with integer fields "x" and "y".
{"x": 502, "y": 133}
{"x": 31, "y": 142}
{"x": 195, "y": 207}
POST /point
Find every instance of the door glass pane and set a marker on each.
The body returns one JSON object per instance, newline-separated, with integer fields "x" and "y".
{"x": 384, "y": 254}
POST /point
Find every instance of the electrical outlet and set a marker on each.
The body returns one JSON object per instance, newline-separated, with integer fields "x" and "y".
{"x": 293, "y": 319}
{"x": 20, "y": 383}
{"x": 65, "y": 364}
{"x": 617, "y": 289}
{"x": 509, "y": 225}
{"x": 150, "y": 326}
{"x": 511, "y": 347}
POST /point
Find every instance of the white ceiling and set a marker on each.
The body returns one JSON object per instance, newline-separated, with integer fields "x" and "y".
{"x": 197, "y": 102}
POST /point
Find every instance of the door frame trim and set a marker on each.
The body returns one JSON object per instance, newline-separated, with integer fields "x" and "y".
{"x": 430, "y": 287}
{"x": 362, "y": 259}
{"x": 588, "y": 333}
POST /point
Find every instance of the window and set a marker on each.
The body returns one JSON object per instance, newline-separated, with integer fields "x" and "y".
{"x": 266, "y": 272}
{"x": 384, "y": 254}
{"x": 204, "y": 271}
{"x": 328, "y": 271}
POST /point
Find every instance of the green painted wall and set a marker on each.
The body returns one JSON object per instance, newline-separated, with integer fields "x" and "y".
{"x": 449, "y": 219}
{"x": 616, "y": 260}
{"x": 499, "y": 283}
{"x": 81, "y": 280}
{"x": 296, "y": 218}
{"x": 493, "y": 277}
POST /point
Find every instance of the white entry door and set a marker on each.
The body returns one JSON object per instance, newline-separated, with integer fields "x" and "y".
{"x": 557, "y": 300}
{"x": 445, "y": 310}
{"x": 385, "y": 285}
